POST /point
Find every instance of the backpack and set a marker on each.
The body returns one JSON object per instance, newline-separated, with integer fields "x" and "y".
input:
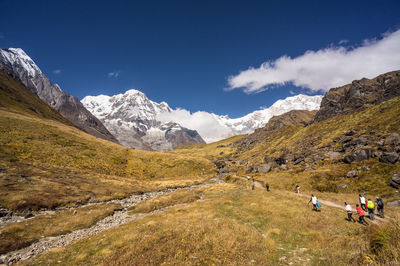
{"x": 380, "y": 203}
{"x": 318, "y": 204}
{"x": 370, "y": 205}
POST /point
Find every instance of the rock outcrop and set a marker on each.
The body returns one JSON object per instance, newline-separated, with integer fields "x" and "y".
{"x": 359, "y": 94}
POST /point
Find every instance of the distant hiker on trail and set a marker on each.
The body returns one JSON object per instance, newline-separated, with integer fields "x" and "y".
{"x": 379, "y": 206}
{"x": 313, "y": 200}
{"x": 349, "y": 211}
{"x": 361, "y": 215}
{"x": 267, "y": 186}
{"x": 252, "y": 184}
{"x": 371, "y": 209}
{"x": 248, "y": 178}
{"x": 362, "y": 202}
{"x": 297, "y": 189}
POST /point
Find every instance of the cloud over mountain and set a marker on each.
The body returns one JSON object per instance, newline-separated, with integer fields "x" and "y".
{"x": 324, "y": 69}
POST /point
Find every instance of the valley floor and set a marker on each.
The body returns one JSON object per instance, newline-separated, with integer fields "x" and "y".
{"x": 231, "y": 224}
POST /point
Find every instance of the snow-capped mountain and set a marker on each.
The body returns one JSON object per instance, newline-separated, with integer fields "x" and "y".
{"x": 131, "y": 118}
{"x": 257, "y": 119}
{"x": 18, "y": 64}
{"x": 214, "y": 127}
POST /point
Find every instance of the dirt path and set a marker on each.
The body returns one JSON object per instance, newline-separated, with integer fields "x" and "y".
{"x": 260, "y": 185}
{"x": 116, "y": 219}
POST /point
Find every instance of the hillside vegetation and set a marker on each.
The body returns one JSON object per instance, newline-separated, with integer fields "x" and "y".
{"x": 46, "y": 162}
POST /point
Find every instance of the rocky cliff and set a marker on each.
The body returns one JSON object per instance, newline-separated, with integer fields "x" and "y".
{"x": 359, "y": 94}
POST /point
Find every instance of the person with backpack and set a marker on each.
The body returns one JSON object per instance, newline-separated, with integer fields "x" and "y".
{"x": 267, "y": 186}
{"x": 362, "y": 202}
{"x": 371, "y": 209}
{"x": 361, "y": 215}
{"x": 379, "y": 206}
{"x": 297, "y": 189}
{"x": 349, "y": 211}
{"x": 313, "y": 200}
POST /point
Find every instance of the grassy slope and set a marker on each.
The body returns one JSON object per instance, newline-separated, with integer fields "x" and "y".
{"x": 232, "y": 225}
{"x": 46, "y": 162}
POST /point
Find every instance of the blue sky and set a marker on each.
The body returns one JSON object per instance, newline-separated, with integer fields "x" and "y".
{"x": 183, "y": 52}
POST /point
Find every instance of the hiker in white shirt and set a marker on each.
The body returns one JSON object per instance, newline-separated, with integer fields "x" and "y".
{"x": 313, "y": 200}
{"x": 349, "y": 211}
{"x": 363, "y": 202}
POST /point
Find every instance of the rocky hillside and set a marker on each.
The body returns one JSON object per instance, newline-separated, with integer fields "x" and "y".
{"x": 131, "y": 118}
{"x": 357, "y": 150}
{"x": 359, "y": 94}
{"x": 18, "y": 64}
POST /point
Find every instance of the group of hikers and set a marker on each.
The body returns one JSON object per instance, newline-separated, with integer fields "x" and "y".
{"x": 365, "y": 205}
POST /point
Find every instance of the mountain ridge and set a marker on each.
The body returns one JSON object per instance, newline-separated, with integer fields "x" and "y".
{"x": 15, "y": 60}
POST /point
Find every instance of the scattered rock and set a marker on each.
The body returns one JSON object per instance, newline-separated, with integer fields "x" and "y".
{"x": 343, "y": 186}
{"x": 284, "y": 167}
{"x": 351, "y": 132}
{"x": 351, "y": 174}
{"x": 265, "y": 168}
{"x": 358, "y": 156}
{"x": 395, "y": 180}
{"x": 392, "y": 139}
{"x": 393, "y": 203}
{"x": 389, "y": 157}
{"x": 333, "y": 155}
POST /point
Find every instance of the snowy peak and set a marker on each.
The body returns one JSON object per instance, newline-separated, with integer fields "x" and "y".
{"x": 16, "y": 57}
{"x": 132, "y": 104}
{"x": 131, "y": 117}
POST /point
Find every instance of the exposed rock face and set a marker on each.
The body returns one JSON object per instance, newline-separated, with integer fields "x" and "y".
{"x": 389, "y": 157}
{"x": 291, "y": 118}
{"x": 132, "y": 118}
{"x": 23, "y": 68}
{"x": 358, "y": 94}
{"x": 358, "y": 156}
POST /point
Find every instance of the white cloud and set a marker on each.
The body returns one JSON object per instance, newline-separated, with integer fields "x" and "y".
{"x": 204, "y": 123}
{"x": 114, "y": 74}
{"x": 324, "y": 69}
{"x": 56, "y": 71}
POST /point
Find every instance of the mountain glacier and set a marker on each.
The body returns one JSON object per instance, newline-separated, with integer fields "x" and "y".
{"x": 139, "y": 122}
{"x": 131, "y": 118}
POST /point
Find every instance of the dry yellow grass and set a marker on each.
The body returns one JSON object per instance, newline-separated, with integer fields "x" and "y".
{"x": 231, "y": 225}
{"x": 178, "y": 197}
{"x": 24, "y": 233}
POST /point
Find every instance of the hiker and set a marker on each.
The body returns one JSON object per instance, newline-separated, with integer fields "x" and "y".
{"x": 362, "y": 202}
{"x": 349, "y": 211}
{"x": 248, "y": 178}
{"x": 313, "y": 200}
{"x": 379, "y": 206}
{"x": 252, "y": 184}
{"x": 361, "y": 215}
{"x": 371, "y": 209}
{"x": 267, "y": 186}
{"x": 297, "y": 189}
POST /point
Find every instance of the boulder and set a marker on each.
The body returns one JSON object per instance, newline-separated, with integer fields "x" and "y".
{"x": 395, "y": 180}
{"x": 351, "y": 132}
{"x": 342, "y": 186}
{"x": 265, "y": 168}
{"x": 358, "y": 156}
{"x": 393, "y": 203}
{"x": 351, "y": 174}
{"x": 389, "y": 157}
{"x": 392, "y": 139}
{"x": 333, "y": 155}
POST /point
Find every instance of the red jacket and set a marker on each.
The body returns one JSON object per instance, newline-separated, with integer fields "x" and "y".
{"x": 360, "y": 211}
